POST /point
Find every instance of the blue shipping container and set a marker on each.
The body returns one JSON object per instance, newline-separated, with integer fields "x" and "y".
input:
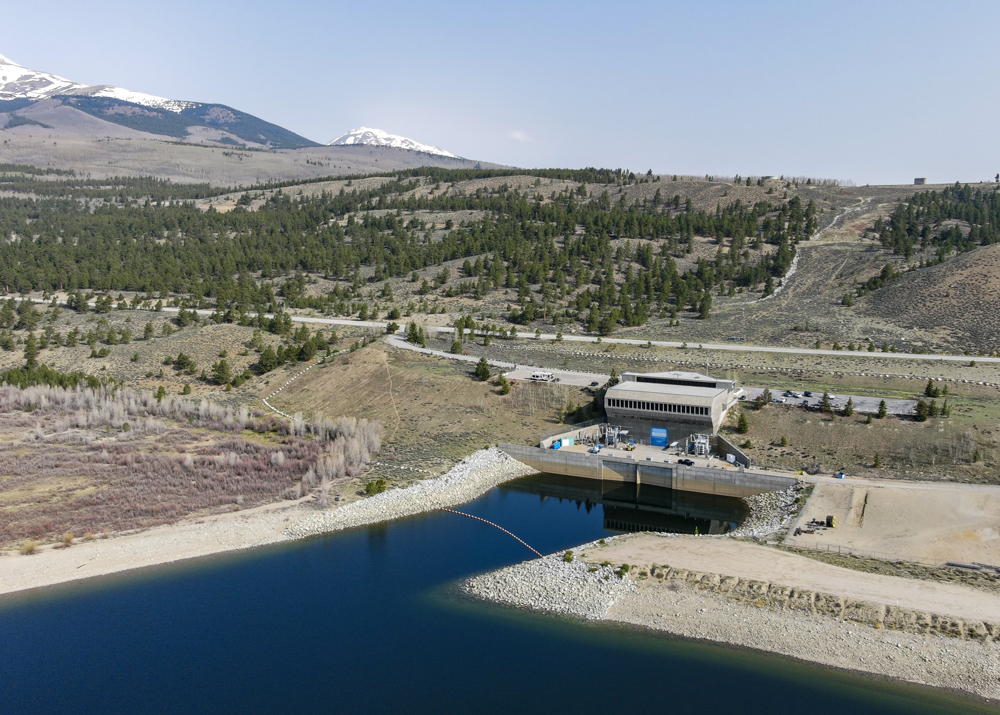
{"x": 658, "y": 436}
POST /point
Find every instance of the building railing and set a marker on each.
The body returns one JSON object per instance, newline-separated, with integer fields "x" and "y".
{"x": 567, "y": 428}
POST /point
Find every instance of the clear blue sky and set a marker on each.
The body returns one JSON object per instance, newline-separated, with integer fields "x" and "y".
{"x": 873, "y": 91}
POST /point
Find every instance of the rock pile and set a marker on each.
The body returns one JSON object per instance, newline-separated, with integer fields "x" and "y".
{"x": 554, "y": 585}
{"x": 769, "y": 512}
{"x": 468, "y": 479}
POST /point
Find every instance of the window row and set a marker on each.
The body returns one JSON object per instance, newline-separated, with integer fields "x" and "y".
{"x": 658, "y": 407}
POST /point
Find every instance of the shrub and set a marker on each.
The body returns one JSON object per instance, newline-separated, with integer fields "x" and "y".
{"x": 29, "y": 547}
{"x": 88, "y": 535}
{"x": 568, "y": 557}
{"x": 126, "y": 427}
{"x": 375, "y": 487}
{"x": 67, "y": 538}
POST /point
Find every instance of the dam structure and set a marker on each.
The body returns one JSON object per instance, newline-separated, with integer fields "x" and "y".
{"x": 656, "y": 420}
{"x": 638, "y": 467}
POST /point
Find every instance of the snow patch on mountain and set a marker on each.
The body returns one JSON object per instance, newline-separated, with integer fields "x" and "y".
{"x": 377, "y": 137}
{"x": 17, "y": 82}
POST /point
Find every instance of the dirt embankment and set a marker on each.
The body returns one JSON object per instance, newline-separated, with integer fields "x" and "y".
{"x": 736, "y": 593}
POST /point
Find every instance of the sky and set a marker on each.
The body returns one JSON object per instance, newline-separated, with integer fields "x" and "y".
{"x": 871, "y": 92}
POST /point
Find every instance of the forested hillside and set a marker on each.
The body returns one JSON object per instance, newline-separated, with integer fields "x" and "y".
{"x": 954, "y": 220}
{"x": 562, "y": 256}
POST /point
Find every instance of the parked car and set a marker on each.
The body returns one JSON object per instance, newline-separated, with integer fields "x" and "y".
{"x": 686, "y": 462}
{"x": 807, "y": 393}
{"x": 595, "y": 383}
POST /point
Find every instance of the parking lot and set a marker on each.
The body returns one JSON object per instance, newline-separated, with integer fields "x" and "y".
{"x": 862, "y": 403}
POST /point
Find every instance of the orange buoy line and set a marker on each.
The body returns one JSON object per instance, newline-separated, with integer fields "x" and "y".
{"x": 495, "y": 526}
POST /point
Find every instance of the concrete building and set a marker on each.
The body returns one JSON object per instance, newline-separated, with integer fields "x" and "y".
{"x": 682, "y": 403}
{"x": 919, "y": 181}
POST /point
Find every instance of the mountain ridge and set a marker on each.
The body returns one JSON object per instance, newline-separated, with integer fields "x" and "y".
{"x": 367, "y": 136}
{"x": 22, "y": 87}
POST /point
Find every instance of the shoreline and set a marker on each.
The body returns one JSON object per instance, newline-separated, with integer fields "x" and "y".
{"x": 262, "y": 526}
{"x": 809, "y": 626}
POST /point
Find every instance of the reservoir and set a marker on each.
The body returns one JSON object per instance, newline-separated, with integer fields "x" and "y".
{"x": 370, "y": 620}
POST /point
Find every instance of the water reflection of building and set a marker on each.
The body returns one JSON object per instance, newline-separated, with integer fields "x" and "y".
{"x": 628, "y": 508}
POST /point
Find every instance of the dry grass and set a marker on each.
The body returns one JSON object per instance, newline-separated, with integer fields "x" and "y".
{"x": 444, "y": 413}
{"x": 68, "y": 466}
{"x": 958, "y": 297}
{"x": 907, "y": 449}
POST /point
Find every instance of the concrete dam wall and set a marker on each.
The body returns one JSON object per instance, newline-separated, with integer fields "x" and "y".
{"x": 722, "y": 482}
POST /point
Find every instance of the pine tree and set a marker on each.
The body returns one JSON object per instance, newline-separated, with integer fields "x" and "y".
{"x": 922, "y": 411}
{"x": 483, "y": 369}
{"x": 849, "y": 407}
{"x": 825, "y": 404}
{"x": 268, "y": 360}
{"x": 882, "y": 409}
{"x": 221, "y": 372}
{"x": 743, "y": 425}
{"x": 30, "y": 352}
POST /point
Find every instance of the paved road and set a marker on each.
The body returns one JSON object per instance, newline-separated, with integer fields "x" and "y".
{"x": 735, "y": 347}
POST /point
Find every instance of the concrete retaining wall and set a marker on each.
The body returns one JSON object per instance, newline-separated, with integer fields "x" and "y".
{"x": 723, "y": 446}
{"x": 721, "y": 482}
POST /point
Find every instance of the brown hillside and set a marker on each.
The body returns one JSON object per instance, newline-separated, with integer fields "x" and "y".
{"x": 958, "y": 300}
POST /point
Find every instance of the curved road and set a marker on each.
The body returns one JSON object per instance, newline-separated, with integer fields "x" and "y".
{"x": 631, "y": 341}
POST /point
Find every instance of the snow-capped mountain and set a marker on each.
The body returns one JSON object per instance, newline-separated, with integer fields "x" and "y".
{"x": 17, "y": 82}
{"x": 376, "y": 137}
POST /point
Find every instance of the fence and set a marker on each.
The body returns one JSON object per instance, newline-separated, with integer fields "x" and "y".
{"x": 847, "y": 551}
{"x": 570, "y": 428}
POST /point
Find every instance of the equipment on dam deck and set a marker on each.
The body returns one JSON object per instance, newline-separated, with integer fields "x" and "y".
{"x": 700, "y": 445}
{"x": 831, "y": 521}
{"x": 630, "y": 447}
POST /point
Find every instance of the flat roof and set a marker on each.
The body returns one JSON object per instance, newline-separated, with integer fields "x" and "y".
{"x": 643, "y": 390}
{"x": 675, "y": 375}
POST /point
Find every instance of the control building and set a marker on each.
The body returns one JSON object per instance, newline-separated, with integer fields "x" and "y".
{"x": 683, "y": 403}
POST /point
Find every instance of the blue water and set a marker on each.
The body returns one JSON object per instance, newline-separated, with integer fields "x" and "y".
{"x": 370, "y": 621}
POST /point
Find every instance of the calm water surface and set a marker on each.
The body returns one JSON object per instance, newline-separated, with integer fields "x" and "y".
{"x": 369, "y": 621}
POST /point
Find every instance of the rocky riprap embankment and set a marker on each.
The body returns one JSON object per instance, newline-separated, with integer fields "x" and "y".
{"x": 555, "y": 585}
{"x": 769, "y": 512}
{"x": 469, "y": 478}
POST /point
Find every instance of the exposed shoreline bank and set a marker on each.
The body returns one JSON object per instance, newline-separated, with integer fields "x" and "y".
{"x": 271, "y": 524}
{"x": 835, "y": 631}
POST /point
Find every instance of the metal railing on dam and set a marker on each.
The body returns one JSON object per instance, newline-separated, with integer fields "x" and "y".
{"x": 723, "y": 482}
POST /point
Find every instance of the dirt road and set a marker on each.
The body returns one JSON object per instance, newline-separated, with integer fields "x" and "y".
{"x": 750, "y": 561}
